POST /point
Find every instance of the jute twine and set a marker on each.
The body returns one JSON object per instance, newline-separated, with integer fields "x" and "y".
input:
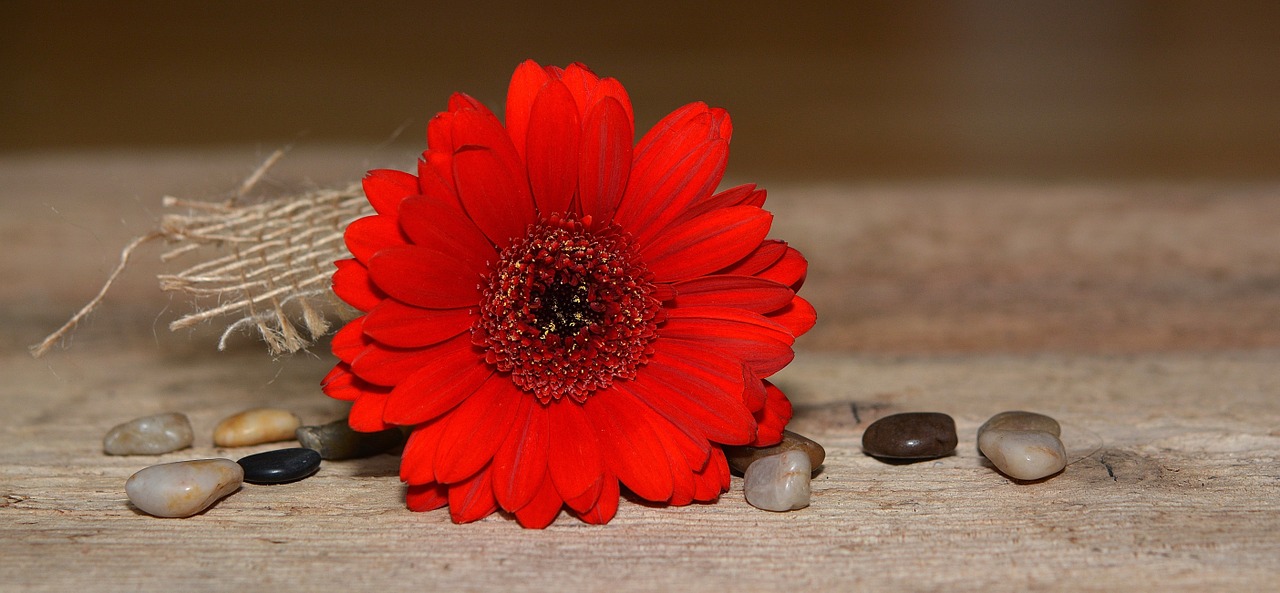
{"x": 267, "y": 264}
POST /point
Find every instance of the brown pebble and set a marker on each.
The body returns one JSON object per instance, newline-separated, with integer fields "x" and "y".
{"x": 256, "y": 426}
{"x": 911, "y": 435}
{"x": 740, "y": 457}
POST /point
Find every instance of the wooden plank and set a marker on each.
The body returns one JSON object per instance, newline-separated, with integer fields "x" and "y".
{"x": 1173, "y": 486}
{"x": 1161, "y": 362}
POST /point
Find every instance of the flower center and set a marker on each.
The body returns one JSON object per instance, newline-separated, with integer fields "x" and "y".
{"x": 567, "y": 309}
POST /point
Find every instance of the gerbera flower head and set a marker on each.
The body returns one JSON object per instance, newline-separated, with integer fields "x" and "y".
{"x": 557, "y": 312}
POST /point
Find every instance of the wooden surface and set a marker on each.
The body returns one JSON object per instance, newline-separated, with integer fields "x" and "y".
{"x": 1145, "y": 317}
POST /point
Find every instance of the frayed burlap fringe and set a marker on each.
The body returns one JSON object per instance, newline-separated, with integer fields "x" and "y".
{"x": 271, "y": 265}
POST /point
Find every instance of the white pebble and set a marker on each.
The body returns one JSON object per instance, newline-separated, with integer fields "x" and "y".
{"x": 1023, "y": 454}
{"x": 779, "y": 482}
{"x": 183, "y": 488}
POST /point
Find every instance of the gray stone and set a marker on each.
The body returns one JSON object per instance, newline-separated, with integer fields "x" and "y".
{"x": 149, "y": 435}
{"x": 337, "y": 440}
{"x": 183, "y": 488}
{"x": 1019, "y": 420}
{"x": 741, "y": 457}
{"x": 779, "y": 482}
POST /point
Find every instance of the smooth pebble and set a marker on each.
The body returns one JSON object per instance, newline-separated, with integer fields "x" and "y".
{"x": 149, "y": 435}
{"x": 1019, "y": 420}
{"x": 337, "y": 440}
{"x": 911, "y": 435}
{"x": 741, "y": 457}
{"x": 1023, "y": 454}
{"x": 280, "y": 466}
{"x": 256, "y": 426}
{"x": 183, "y": 488}
{"x": 779, "y": 482}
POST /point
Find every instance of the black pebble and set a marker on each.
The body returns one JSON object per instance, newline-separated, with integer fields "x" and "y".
{"x": 912, "y": 435}
{"x": 280, "y": 466}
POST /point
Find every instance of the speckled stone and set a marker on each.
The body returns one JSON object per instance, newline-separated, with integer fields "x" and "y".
{"x": 336, "y": 440}
{"x": 1019, "y": 420}
{"x": 183, "y": 488}
{"x": 779, "y": 482}
{"x": 1023, "y": 445}
{"x": 911, "y": 435}
{"x": 149, "y": 435}
{"x": 280, "y": 466}
{"x": 740, "y": 458}
{"x": 256, "y": 426}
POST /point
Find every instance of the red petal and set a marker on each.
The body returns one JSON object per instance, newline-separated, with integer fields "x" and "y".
{"x": 657, "y": 197}
{"x": 349, "y": 341}
{"x": 706, "y": 243}
{"x": 682, "y": 484}
{"x": 707, "y": 483}
{"x": 527, "y": 80}
{"x": 583, "y": 502}
{"x": 683, "y": 381}
{"x": 476, "y": 129}
{"x": 543, "y": 509}
{"x": 435, "y": 177}
{"x": 790, "y": 269}
{"x": 629, "y": 445}
{"x": 612, "y": 89}
{"x": 683, "y": 487}
{"x": 440, "y": 133}
{"x": 742, "y": 195}
{"x": 693, "y": 445}
{"x": 463, "y": 101}
{"x": 472, "y": 500}
{"x": 341, "y": 384}
{"x": 521, "y": 461}
{"x": 745, "y": 336}
{"x": 387, "y": 366}
{"x": 417, "y": 461}
{"x": 450, "y": 375}
{"x": 581, "y": 82}
{"x": 773, "y": 417}
{"x": 366, "y": 413}
{"x": 352, "y": 284}
{"x": 371, "y": 234}
{"x": 574, "y": 464}
{"x": 476, "y": 428}
{"x": 606, "y": 506}
{"x": 401, "y": 326}
{"x": 426, "y": 277}
{"x": 677, "y": 126}
{"x": 551, "y": 149}
{"x": 798, "y": 317}
{"x": 426, "y": 497}
{"x": 679, "y": 162}
{"x": 385, "y": 188}
{"x": 753, "y": 392}
{"x": 438, "y": 225}
{"x": 494, "y": 196}
{"x": 606, "y": 159}
{"x": 761, "y": 257}
{"x": 757, "y": 295}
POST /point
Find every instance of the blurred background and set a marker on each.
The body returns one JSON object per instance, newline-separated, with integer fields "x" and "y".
{"x": 832, "y": 90}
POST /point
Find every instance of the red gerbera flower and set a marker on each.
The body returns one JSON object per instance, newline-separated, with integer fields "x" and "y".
{"x": 555, "y": 311}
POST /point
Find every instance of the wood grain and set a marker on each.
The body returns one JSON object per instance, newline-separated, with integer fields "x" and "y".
{"x": 944, "y": 297}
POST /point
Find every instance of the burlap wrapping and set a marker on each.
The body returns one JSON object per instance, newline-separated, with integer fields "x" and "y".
{"x": 264, "y": 265}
